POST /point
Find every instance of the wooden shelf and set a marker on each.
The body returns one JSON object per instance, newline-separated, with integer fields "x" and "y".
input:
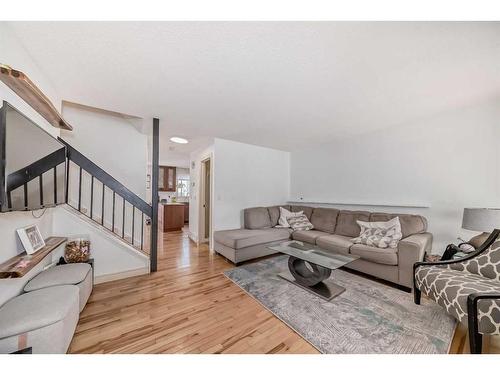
{"x": 31, "y": 94}
{"x": 21, "y": 264}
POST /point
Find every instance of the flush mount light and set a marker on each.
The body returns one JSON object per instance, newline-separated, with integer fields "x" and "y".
{"x": 179, "y": 140}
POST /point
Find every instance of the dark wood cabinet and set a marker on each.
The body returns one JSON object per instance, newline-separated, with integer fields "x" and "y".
{"x": 173, "y": 219}
{"x": 167, "y": 179}
{"x": 186, "y": 212}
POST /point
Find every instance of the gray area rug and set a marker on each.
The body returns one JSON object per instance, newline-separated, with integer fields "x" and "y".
{"x": 369, "y": 317}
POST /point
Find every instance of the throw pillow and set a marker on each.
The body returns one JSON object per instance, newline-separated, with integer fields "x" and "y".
{"x": 300, "y": 222}
{"x": 381, "y": 234}
{"x": 284, "y": 215}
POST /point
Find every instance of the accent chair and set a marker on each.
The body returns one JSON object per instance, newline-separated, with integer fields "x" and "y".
{"x": 468, "y": 288}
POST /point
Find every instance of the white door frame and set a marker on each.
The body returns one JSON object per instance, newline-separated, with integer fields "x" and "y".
{"x": 201, "y": 193}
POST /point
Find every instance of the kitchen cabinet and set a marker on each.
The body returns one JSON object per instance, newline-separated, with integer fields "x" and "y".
{"x": 173, "y": 216}
{"x": 186, "y": 212}
{"x": 167, "y": 178}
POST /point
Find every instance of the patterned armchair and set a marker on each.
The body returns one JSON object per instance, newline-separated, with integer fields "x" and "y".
{"x": 468, "y": 288}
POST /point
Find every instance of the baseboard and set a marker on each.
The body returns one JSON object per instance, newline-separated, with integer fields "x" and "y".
{"x": 193, "y": 237}
{"x": 121, "y": 275}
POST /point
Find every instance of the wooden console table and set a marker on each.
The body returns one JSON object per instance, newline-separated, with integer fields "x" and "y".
{"x": 21, "y": 264}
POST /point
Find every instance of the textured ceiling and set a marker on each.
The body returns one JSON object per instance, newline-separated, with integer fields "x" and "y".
{"x": 276, "y": 84}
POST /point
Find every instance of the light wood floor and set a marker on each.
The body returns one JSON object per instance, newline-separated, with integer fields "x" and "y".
{"x": 188, "y": 306}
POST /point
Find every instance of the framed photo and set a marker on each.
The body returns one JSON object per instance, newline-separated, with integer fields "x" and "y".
{"x": 31, "y": 238}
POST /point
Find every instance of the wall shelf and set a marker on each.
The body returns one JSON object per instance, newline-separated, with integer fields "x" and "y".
{"x": 359, "y": 204}
{"x": 19, "y": 82}
{"x": 21, "y": 264}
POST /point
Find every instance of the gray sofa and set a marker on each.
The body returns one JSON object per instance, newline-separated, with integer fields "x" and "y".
{"x": 333, "y": 231}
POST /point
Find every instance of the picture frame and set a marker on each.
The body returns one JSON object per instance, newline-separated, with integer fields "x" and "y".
{"x": 31, "y": 238}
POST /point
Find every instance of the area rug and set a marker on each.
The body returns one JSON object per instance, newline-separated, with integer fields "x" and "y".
{"x": 369, "y": 317}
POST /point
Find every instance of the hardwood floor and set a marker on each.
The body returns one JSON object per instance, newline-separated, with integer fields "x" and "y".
{"x": 188, "y": 306}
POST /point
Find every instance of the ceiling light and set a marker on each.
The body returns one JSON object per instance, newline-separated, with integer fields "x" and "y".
{"x": 179, "y": 140}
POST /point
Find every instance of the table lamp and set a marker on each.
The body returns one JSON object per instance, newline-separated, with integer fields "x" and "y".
{"x": 480, "y": 220}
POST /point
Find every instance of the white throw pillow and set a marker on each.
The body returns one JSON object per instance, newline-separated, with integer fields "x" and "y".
{"x": 284, "y": 215}
{"x": 381, "y": 234}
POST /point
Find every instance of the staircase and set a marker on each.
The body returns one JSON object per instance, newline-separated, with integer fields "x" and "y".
{"x": 89, "y": 191}
{"x": 88, "y": 188}
{"x": 96, "y": 194}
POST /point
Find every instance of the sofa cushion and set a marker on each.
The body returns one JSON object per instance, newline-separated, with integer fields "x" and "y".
{"x": 34, "y": 310}
{"x": 325, "y": 219}
{"x": 376, "y": 255}
{"x": 335, "y": 242}
{"x": 241, "y": 238}
{"x": 256, "y": 218}
{"x": 309, "y": 236}
{"x": 346, "y": 222}
{"x": 307, "y": 210}
{"x": 67, "y": 274}
{"x": 410, "y": 224}
{"x": 274, "y": 213}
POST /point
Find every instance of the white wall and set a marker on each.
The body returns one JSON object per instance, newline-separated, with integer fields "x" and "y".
{"x": 247, "y": 176}
{"x": 111, "y": 256}
{"x": 111, "y": 142}
{"x": 243, "y": 176}
{"x": 12, "y": 53}
{"x": 447, "y": 162}
{"x": 173, "y": 159}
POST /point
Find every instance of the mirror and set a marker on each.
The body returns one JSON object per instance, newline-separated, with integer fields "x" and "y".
{"x": 33, "y": 164}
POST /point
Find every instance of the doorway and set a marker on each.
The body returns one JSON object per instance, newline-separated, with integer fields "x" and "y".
{"x": 205, "y": 201}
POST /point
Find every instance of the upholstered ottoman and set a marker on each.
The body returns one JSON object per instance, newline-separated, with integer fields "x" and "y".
{"x": 44, "y": 320}
{"x": 79, "y": 274}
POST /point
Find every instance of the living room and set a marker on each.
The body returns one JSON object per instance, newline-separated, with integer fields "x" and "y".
{"x": 335, "y": 184}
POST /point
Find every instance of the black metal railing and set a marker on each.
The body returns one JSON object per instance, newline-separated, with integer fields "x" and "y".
{"x": 35, "y": 170}
{"x": 120, "y": 198}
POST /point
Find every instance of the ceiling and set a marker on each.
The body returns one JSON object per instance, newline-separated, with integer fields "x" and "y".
{"x": 275, "y": 84}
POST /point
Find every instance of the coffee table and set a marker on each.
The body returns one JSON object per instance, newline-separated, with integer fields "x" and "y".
{"x": 310, "y": 266}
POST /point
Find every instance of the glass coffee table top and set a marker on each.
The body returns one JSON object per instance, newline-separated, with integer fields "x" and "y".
{"x": 314, "y": 254}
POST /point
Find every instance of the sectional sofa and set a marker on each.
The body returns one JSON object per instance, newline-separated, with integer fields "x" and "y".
{"x": 333, "y": 231}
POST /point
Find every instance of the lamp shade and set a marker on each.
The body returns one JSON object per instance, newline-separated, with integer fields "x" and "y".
{"x": 481, "y": 219}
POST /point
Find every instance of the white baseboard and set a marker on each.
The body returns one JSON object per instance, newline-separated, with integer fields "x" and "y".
{"x": 193, "y": 237}
{"x": 121, "y": 275}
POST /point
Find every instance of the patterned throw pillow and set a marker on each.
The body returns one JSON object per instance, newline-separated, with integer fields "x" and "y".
{"x": 284, "y": 215}
{"x": 381, "y": 234}
{"x": 300, "y": 222}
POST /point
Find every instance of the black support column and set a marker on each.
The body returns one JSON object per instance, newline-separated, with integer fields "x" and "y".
{"x": 153, "y": 256}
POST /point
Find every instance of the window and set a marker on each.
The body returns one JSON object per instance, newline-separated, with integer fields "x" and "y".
{"x": 183, "y": 187}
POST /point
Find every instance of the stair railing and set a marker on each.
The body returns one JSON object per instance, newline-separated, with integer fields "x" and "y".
{"x": 119, "y": 192}
{"x": 33, "y": 171}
